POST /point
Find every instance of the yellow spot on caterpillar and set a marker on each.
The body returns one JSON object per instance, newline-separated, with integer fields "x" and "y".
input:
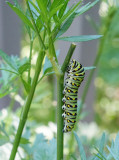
{"x": 68, "y": 121}
{"x": 74, "y": 78}
{"x": 68, "y": 105}
{"x": 72, "y": 84}
{"x": 69, "y": 90}
{"x": 68, "y": 98}
{"x": 68, "y": 114}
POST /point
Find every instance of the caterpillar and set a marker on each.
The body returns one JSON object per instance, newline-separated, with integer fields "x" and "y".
{"x": 75, "y": 75}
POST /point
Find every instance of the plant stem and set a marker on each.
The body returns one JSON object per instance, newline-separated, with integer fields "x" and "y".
{"x": 27, "y": 106}
{"x": 68, "y": 57}
{"x": 35, "y": 27}
{"x": 60, "y": 87}
{"x": 30, "y": 57}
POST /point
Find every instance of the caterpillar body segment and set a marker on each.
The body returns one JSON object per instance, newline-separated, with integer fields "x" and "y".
{"x": 75, "y": 75}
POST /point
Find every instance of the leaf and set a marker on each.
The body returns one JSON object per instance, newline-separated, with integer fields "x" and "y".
{"x": 56, "y": 3}
{"x": 89, "y": 68}
{"x": 21, "y": 15}
{"x": 102, "y": 143}
{"x": 62, "y": 10}
{"x": 43, "y": 9}
{"x": 86, "y": 7}
{"x": 2, "y": 128}
{"x": 66, "y": 25}
{"x": 54, "y": 11}
{"x": 26, "y": 85}
{"x": 66, "y": 16}
{"x": 8, "y": 70}
{"x": 69, "y": 13}
{"x": 35, "y": 7}
{"x": 82, "y": 38}
{"x": 24, "y": 67}
{"x": 100, "y": 155}
{"x": 3, "y": 140}
{"x": 112, "y": 153}
{"x": 9, "y": 61}
{"x": 116, "y": 145}
{"x": 24, "y": 140}
{"x": 80, "y": 146}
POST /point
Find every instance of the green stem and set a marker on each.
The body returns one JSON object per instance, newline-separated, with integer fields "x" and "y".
{"x": 35, "y": 27}
{"x": 60, "y": 87}
{"x": 27, "y": 106}
{"x": 30, "y": 57}
{"x": 68, "y": 57}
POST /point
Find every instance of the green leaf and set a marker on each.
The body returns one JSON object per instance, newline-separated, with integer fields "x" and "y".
{"x": 8, "y": 70}
{"x": 89, "y": 68}
{"x": 82, "y": 38}
{"x": 3, "y": 140}
{"x": 9, "y": 61}
{"x": 24, "y": 140}
{"x": 102, "y": 143}
{"x": 69, "y": 13}
{"x": 100, "y": 155}
{"x": 24, "y": 67}
{"x": 2, "y": 129}
{"x": 80, "y": 146}
{"x": 54, "y": 11}
{"x": 26, "y": 85}
{"x": 21, "y": 15}
{"x": 43, "y": 9}
{"x": 66, "y": 25}
{"x": 35, "y": 7}
{"x": 66, "y": 16}
{"x": 56, "y": 3}
{"x": 62, "y": 10}
{"x": 112, "y": 153}
{"x": 86, "y": 7}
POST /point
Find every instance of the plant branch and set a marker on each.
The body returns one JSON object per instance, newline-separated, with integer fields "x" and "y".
{"x": 35, "y": 27}
{"x": 30, "y": 57}
{"x": 27, "y": 105}
{"x": 60, "y": 87}
{"x": 68, "y": 57}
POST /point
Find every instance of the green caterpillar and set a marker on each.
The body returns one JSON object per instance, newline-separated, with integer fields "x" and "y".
{"x": 74, "y": 78}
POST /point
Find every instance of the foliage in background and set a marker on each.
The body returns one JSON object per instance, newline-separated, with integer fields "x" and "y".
{"x": 107, "y": 83}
